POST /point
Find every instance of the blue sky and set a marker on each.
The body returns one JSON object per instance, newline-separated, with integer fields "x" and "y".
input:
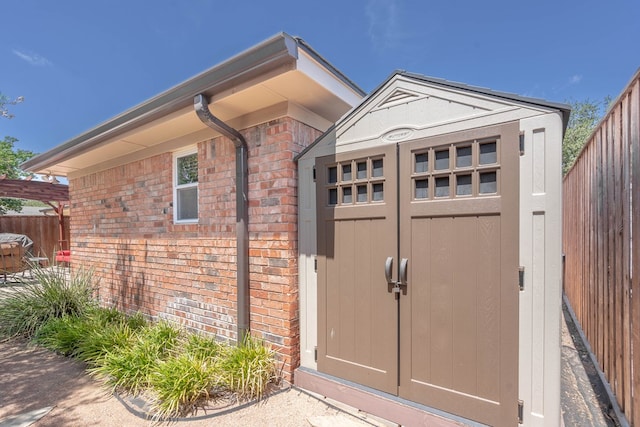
{"x": 78, "y": 63}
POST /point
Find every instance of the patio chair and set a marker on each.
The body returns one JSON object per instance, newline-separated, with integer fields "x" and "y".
{"x": 11, "y": 259}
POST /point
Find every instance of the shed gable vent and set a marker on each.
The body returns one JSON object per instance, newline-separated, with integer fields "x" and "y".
{"x": 397, "y": 97}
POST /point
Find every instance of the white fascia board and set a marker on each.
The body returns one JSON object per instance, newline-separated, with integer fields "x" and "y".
{"x": 309, "y": 66}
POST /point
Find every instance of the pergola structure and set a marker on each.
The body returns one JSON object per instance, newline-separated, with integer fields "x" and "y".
{"x": 53, "y": 194}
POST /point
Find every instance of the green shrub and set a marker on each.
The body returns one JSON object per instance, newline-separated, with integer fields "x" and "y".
{"x": 54, "y": 294}
{"x": 160, "y": 337}
{"x": 185, "y": 382}
{"x": 62, "y": 334}
{"x": 128, "y": 368}
{"x": 202, "y": 347}
{"x": 248, "y": 369}
{"x": 91, "y": 336}
{"x": 180, "y": 371}
{"x": 182, "y": 384}
{"x": 101, "y": 341}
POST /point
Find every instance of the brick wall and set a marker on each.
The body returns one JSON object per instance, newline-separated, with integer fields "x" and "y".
{"x": 122, "y": 227}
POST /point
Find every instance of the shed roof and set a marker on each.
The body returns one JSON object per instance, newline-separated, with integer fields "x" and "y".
{"x": 506, "y": 96}
{"x": 271, "y": 75}
{"x": 565, "y": 109}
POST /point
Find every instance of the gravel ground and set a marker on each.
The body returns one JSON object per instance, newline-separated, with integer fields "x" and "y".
{"x": 33, "y": 378}
{"x": 584, "y": 400}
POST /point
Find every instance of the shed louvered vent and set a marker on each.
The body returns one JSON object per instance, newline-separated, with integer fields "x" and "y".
{"x": 397, "y": 97}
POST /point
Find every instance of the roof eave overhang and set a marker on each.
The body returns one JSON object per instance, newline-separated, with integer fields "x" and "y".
{"x": 280, "y": 51}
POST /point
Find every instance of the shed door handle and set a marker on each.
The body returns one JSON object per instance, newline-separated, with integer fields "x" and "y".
{"x": 403, "y": 271}
{"x": 388, "y": 268}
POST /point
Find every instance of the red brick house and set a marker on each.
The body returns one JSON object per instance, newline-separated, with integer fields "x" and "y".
{"x": 398, "y": 250}
{"x": 153, "y": 193}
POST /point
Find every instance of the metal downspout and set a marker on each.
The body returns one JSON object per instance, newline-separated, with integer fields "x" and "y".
{"x": 242, "y": 209}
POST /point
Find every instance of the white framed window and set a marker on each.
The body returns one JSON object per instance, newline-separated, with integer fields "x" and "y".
{"x": 185, "y": 186}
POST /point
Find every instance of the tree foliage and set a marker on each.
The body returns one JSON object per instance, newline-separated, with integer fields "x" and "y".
{"x": 585, "y": 116}
{"x": 10, "y": 160}
{"x": 11, "y": 157}
{"x": 5, "y": 102}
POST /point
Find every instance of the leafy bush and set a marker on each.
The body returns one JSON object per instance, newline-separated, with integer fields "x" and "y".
{"x": 128, "y": 368}
{"x": 62, "y": 334}
{"x": 55, "y": 294}
{"x": 182, "y": 384}
{"x": 179, "y": 371}
{"x": 203, "y": 347}
{"x": 248, "y": 369}
{"x": 108, "y": 331}
{"x": 91, "y": 336}
{"x": 187, "y": 381}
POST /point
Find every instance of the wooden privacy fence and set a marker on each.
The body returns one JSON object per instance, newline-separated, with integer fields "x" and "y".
{"x": 601, "y": 242}
{"x": 43, "y": 230}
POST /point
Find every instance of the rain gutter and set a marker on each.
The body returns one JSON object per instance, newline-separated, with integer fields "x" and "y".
{"x": 278, "y": 51}
{"x": 201, "y": 106}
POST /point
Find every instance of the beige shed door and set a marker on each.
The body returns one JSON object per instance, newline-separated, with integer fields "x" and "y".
{"x": 357, "y": 223}
{"x": 443, "y": 213}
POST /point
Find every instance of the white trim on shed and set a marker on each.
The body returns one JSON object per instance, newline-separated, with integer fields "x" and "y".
{"x": 407, "y": 107}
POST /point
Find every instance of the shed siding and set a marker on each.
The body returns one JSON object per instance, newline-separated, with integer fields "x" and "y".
{"x": 540, "y": 224}
{"x": 541, "y": 257}
{"x": 123, "y": 229}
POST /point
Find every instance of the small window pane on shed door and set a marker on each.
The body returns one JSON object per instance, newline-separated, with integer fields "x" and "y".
{"x": 442, "y": 186}
{"x": 463, "y": 185}
{"x": 422, "y": 162}
{"x": 346, "y": 172}
{"x": 378, "y": 192}
{"x": 362, "y": 193}
{"x": 361, "y": 172}
{"x": 488, "y": 183}
{"x": 442, "y": 159}
{"x": 333, "y": 196}
{"x": 347, "y": 195}
{"x": 332, "y": 176}
{"x": 463, "y": 157}
{"x": 376, "y": 166}
{"x": 488, "y": 153}
{"x": 422, "y": 189}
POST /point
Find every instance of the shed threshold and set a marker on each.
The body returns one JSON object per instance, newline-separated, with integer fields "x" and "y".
{"x": 375, "y": 402}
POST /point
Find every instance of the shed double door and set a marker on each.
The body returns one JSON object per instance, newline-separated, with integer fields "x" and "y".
{"x": 418, "y": 270}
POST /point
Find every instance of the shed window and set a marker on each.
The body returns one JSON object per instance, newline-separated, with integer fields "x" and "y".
{"x": 185, "y": 194}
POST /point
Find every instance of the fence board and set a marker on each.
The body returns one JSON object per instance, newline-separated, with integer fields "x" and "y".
{"x": 626, "y": 248}
{"x": 43, "y": 230}
{"x": 601, "y": 242}
{"x": 634, "y": 131}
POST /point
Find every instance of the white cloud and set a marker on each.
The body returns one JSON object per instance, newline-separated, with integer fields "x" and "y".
{"x": 382, "y": 16}
{"x": 32, "y": 58}
{"x": 575, "y": 79}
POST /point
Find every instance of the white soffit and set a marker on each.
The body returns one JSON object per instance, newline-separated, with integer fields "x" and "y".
{"x": 292, "y": 87}
{"x": 305, "y": 85}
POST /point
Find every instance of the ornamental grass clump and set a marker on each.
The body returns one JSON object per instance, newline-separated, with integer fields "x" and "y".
{"x": 90, "y": 336}
{"x": 127, "y": 369}
{"x": 190, "y": 379}
{"x": 178, "y": 371}
{"x": 62, "y": 334}
{"x": 247, "y": 370}
{"x": 53, "y": 293}
{"x": 183, "y": 384}
{"x": 108, "y": 330}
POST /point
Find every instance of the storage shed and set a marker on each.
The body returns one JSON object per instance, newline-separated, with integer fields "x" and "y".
{"x": 408, "y": 264}
{"x": 430, "y": 255}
